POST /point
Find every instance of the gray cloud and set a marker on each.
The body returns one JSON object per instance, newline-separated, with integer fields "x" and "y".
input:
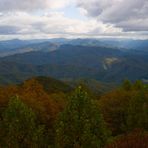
{"x": 30, "y": 5}
{"x": 6, "y": 30}
{"x": 104, "y": 18}
{"x": 118, "y": 12}
{"x": 11, "y": 5}
{"x": 136, "y": 25}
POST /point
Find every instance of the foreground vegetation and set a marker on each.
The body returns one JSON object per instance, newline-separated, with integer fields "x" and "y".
{"x": 33, "y": 115}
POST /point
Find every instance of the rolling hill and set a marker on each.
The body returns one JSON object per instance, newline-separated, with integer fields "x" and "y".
{"x": 67, "y": 61}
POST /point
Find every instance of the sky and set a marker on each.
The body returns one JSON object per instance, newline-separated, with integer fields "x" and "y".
{"x": 30, "y": 19}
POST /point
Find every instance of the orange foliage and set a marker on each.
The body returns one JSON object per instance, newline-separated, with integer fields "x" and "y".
{"x": 32, "y": 93}
{"x": 136, "y": 139}
{"x": 113, "y": 106}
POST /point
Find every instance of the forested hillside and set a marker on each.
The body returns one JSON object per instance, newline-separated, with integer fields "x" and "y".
{"x": 66, "y": 61}
{"x": 45, "y": 112}
{"x": 78, "y": 93}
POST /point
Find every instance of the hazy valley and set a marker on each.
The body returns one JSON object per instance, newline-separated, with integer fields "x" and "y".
{"x": 74, "y": 59}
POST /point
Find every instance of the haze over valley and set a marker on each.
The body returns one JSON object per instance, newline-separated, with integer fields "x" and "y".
{"x": 104, "y": 60}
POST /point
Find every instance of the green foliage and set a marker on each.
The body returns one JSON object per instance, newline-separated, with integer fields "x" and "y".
{"x": 125, "y": 108}
{"x": 19, "y": 127}
{"x": 138, "y": 85}
{"x": 127, "y": 85}
{"x": 52, "y": 85}
{"x": 137, "y": 116}
{"x": 81, "y": 124}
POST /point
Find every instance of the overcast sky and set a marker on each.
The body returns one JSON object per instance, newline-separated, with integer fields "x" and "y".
{"x": 27, "y": 19}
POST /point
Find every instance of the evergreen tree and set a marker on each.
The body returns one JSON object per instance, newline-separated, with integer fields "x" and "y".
{"x": 138, "y": 85}
{"x": 19, "y": 128}
{"x": 127, "y": 85}
{"x": 81, "y": 125}
{"x": 137, "y": 116}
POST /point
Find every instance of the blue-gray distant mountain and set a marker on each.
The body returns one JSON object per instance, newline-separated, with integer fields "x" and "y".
{"x": 69, "y": 61}
{"x": 25, "y": 46}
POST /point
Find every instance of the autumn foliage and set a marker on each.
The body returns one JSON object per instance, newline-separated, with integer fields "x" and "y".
{"x": 135, "y": 139}
{"x": 53, "y": 115}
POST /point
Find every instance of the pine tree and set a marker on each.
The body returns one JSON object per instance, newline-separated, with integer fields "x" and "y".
{"x": 138, "y": 85}
{"x": 127, "y": 85}
{"x": 19, "y": 128}
{"x": 137, "y": 113}
{"x": 81, "y": 125}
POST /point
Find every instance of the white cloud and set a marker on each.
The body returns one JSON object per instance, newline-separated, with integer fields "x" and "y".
{"x": 55, "y": 24}
{"x": 51, "y": 23}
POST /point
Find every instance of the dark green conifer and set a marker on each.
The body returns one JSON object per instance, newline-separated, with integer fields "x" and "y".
{"x": 19, "y": 128}
{"x": 81, "y": 125}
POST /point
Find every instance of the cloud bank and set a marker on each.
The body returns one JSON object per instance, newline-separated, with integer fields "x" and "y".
{"x": 48, "y": 18}
{"x": 31, "y": 5}
{"x": 131, "y": 15}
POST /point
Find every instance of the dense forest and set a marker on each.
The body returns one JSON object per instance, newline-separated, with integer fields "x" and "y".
{"x": 43, "y": 112}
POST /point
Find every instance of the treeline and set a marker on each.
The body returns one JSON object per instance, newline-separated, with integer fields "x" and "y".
{"x": 31, "y": 117}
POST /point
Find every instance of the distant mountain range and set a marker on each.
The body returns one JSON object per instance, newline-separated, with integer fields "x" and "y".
{"x": 16, "y": 46}
{"x": 13, "y": 47}
{"x": 103, "y": 60}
